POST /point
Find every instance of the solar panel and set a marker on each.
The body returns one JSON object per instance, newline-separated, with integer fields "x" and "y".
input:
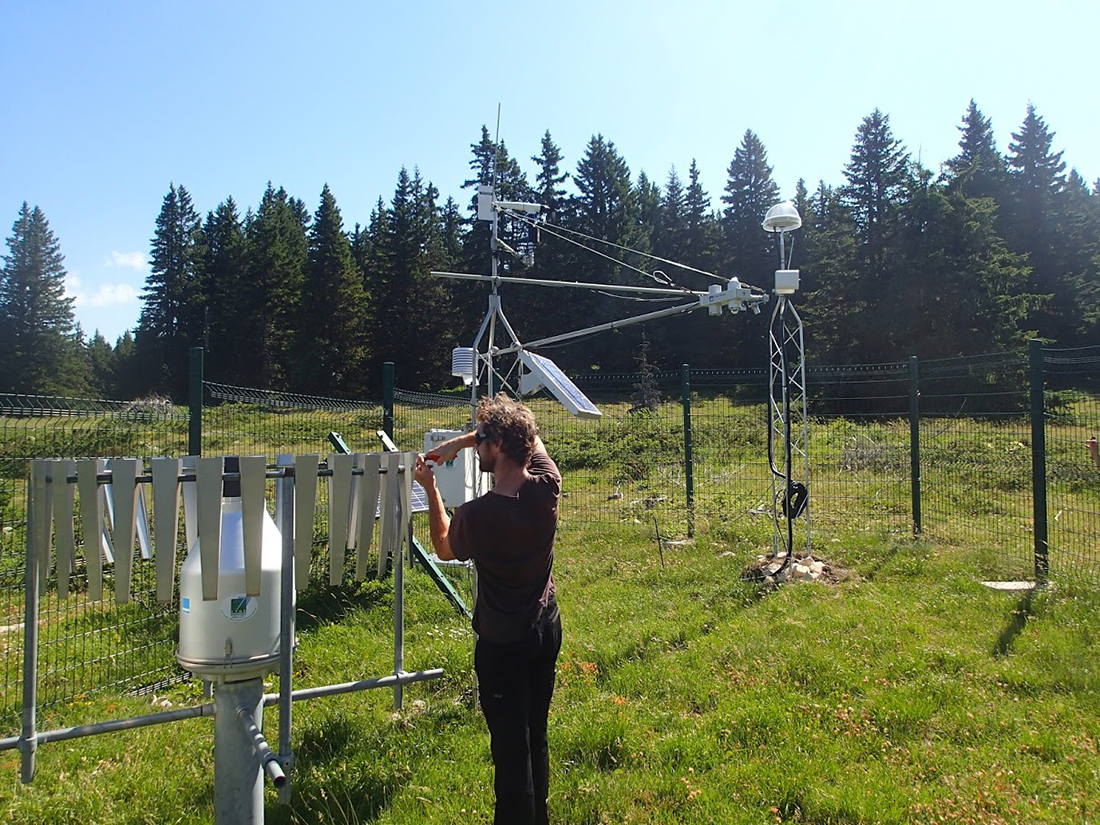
{"x": 545, "y": 373}
{"x": 419, "y": 501}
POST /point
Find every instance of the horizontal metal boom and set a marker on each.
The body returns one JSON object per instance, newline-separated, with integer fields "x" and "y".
{"x": 641, "y": 290}
{"x": 580, "y": 333}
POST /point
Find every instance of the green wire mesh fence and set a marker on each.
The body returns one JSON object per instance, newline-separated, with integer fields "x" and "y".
{"x": 972, "y": 492}
{"x": 975, "y": 455}
{"x": 1073, "y": 462}
{"x": 84, "y": 645}
{"x": 249, "y": 421}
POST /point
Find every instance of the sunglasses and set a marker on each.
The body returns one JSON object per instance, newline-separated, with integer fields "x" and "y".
{"x": 479, "y": 437}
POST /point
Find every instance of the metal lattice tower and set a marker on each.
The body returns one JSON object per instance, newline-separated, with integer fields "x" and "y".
{"x": 788, "y": 430}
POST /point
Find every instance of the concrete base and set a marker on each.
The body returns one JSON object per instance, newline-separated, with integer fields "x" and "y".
{"x": 1011, "y": 587}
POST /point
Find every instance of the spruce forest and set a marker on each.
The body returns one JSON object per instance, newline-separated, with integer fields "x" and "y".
{"x": 896, "y": 259}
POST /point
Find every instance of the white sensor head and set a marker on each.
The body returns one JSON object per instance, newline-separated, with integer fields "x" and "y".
{"x": 782, "y": 217}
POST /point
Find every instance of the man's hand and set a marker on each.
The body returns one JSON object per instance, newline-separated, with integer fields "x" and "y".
{"x": 423, "y": 473}
{"x": 449, "y": 450}
{"x": 438, "y": 522}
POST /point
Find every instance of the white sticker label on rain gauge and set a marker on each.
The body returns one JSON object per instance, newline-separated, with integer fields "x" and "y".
{"x": 239, "y": 608}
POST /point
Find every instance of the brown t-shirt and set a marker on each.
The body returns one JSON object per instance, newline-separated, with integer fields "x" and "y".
{"x": 512, "y": 540}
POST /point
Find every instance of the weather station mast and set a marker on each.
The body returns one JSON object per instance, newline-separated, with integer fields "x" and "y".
{"x": 480, "y": 366}
{"x": 788, "y": 428}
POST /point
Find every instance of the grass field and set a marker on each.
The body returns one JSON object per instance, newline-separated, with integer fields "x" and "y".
{"x": 909, "y": 693}
{"x": 906, "y": 693}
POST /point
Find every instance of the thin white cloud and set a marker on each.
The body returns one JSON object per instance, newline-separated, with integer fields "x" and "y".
{"x": 113, "y": 294}
{"x": 127, "y": 260}
{"x": 103, "y": 295}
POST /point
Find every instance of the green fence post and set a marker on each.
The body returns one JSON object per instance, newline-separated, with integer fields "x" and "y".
{"x": 914, "y": 441}
{"x": 387, "y": 398}
{"x": 194, "y": 420}
{"x": 1039, "y": 460}
{"x": 689, "y": 475}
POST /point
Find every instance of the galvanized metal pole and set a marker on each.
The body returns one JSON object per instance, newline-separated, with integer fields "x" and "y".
{"x": 284, "y": 496}
{"x": 238, "y": 768}
{"x": 387, "y": 398}
{"x": 1039, "y": 460}
{"x": 689, "y": 469}
{"x": 914, "y": 441}
{"x": 494, "y": 298}
{"x": 194, "y": 423}
{"x": 399, "y": 593}
{"x": 28, "y": 743}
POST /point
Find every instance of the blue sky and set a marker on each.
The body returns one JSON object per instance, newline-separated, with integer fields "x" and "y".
{"x": 106, "y": 104}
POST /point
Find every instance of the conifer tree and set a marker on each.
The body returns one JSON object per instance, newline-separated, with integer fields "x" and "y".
{"x": 1077, "y": 250}
{"x": 968, "y": 295}
{"x": 129, "y": 382}
{"x": 1040, "y": 227}
{"x": 441, "y": 329}
{"x": 102, "y": 377}
{"x": 492, "y": 165}
{"x": 605, "y": 202}
{"x": 647, "y": 199}
{"x": 173, "y": 304}
{"x": 804, "y": 203}
{"x": 549, "y": 179}
{"x": 746, "y": 252}
{"x": 370, "y": 250}
{"x": 225, "y": 285}
{"x": 537, "y": 312}
{"x": 670, "y": 232}
{"x": 700, "y": 226}
{"x": 647, "y": 391}
{"x": 41, "y": 348}
{"x": 1036, "y": 168}
{"x": 705, "y": 340}
{"x": 750, "y": 192}
{"x": 277, "y": 256}
{"x": 531, "y": 311}
{"x": 415, "y": 326}
{"x": 331, "y": 342}
{"x": 978, "y": 170}
{"x": 360, "y": 246}
{"x": 878, "y": 176}
{"x": 604, "y": 209}
{"x": 452, "y": 229}
{"x": 828, "y": 240}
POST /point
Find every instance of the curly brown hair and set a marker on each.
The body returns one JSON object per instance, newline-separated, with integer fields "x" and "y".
{"x": 510, "y": 422}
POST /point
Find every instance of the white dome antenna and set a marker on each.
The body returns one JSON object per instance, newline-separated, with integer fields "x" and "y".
{"x": 782, "y": 217}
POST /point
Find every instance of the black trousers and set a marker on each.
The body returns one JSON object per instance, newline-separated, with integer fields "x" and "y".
{"x": 516, "y": 682}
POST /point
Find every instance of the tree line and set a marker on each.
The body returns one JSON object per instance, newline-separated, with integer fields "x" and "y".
{"x": 898, "y": 259}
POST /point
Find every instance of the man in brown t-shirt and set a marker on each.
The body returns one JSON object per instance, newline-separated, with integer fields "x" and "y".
{"x": 509, "y": 533}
